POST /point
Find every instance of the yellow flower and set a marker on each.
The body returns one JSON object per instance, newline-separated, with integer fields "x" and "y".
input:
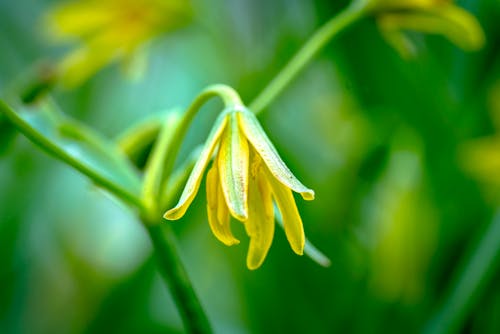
{"x": 245, "y": 177}
{"x": 481, "y": 156}
{"x": 109, "y": 30}
{"x": 427, "y": 16}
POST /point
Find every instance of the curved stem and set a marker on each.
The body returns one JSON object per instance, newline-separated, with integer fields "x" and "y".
{"x": 229, "y": 97}
{"x": 174, "y": 273}
{"x": 320, "y": 38}
{"x": 60, "y": 154}
{"x": 154, "y": 173}
{"x": 139, "y": 135}
{"x": 177, "y": 180}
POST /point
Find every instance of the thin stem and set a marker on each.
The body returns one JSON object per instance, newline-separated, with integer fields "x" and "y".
{"x": 470, "y": 282}
{"x": 141, "y": 134}
{"x": 229, "y": 97}
{"x": 177, "y": 180}
{"x": 154, "y": 168}
{"x": 52, "y": 149}
{"x": 320, "y": 38}
{"x": 174, "y": 273}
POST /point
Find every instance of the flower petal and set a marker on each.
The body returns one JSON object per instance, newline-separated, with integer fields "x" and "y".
{"x": 291, "y": 219}
{"x": 259, "y": 140}
{"x": 460, "y": 26}
{"x": 193, "y": 183}
{"x": 397, "y": 38}
{"x": 233, "y": 168}
{"x": 453, "y": 22}
{"x": 83, "y": 62}
{"x": 260, "y": 223}
{"x": 79, "y": 19}
{"x": 218, "y": 213}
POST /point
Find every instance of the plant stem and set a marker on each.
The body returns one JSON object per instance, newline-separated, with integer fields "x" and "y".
{"x": 469, "y": 282}
{"x": 229, "y": 97}
{"x": 153, "y": 175}
{"x": 320, "y": 38}
{"x": 174, "y": 273}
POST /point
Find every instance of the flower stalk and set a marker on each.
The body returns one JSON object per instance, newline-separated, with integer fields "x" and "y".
{"x": 318, "y": 40}
{"x": 228, "y": 96}
{"x": 174, "y": 273}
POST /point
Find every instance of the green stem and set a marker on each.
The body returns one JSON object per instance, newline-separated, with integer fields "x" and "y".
{"x": 177, "y": 180}
{"x": 320, "y": 38}
{"x": 60, "y": 154}
{"x": 469, "y": 283}
{"x": 229, "y": 97}
{"x": 153, "y": 176}
{"x": 139, "y": 136}
{"x": 175, "y": 275}
{"x": 347, "y": 17}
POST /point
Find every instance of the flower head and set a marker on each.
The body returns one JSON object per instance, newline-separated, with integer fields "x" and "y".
{"x": 109, "y": 30}
{"x": 245, "y": 177}
{"x": 428, "y": 16}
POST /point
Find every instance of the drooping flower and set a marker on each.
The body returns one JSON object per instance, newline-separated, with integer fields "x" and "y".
{"x": 108, "y": 31}
{"x": 427, "y": 16}
{"x": 246, "y": 176}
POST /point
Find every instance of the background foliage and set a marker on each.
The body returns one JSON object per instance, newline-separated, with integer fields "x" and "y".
{"x": 407, "y": 197}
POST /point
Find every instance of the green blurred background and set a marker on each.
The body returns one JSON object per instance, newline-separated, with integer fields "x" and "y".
{"x": 405, "y": 208}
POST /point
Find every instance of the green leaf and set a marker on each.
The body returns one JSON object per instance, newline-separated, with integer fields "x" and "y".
{"x": 79, "y": 147}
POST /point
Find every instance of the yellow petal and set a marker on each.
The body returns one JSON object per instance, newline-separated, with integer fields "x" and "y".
{"x": 79, "y": 19}
{"x": 290, "y": 214}
{"x": 233, "y": 169}
{"x": 260, "y": 223}
{"x": 381, "y": 5}
{"x": 82, "y": 63}
{"x": 101, "y": 50}
{"x": 193, "y": 183}
{"x": 453, "y": 22}
{"x": 462, "y": 27}
{"x": 218, "y": 214}
{"x": 397, "y": 38}
{"x": 259, "y": 140}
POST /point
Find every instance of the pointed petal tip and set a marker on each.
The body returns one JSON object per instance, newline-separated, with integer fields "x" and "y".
{"x": 241, "y": 215}
{"x": 252, "y": 264}
{"x": 173, "y": 214}
{"x": 299, "y": 252}
{"x": 298, "y": 248}
{"x": 230, "y": 242}
{"x": 308, "y": 195}
{"x": 226, "y": 239}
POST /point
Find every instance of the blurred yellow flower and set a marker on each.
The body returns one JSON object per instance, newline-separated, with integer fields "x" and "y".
{"x": 109, "y": 30}
{"x": 481, "y": 156}
{"x": 245, "y": 177}
{"x": 427, "y": 16}
{"x": 399, "y": 223}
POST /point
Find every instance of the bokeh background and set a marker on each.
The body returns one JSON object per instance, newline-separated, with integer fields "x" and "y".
{"x": 402, "y": 154}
